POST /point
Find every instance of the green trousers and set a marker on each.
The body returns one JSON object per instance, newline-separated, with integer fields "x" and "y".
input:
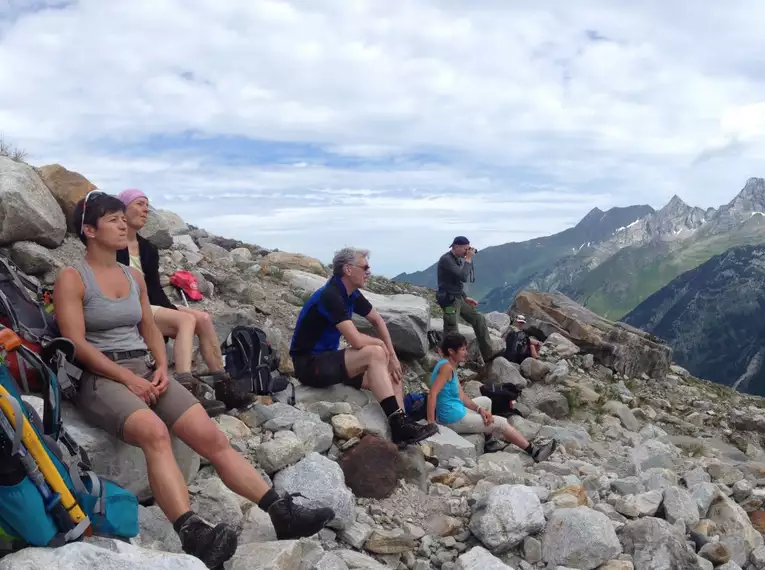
{"x": 474, "y": 318}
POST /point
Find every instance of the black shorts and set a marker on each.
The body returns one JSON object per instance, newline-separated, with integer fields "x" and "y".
{"x": 325, "y": 369}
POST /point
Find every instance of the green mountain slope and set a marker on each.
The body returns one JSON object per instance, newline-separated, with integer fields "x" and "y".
{"x": 499, "y": 265}
{"x": 631, "y": 275}
{"x": 711, "y": 316}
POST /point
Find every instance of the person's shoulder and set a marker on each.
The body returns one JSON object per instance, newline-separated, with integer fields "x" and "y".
{"x": 68, "y": 273}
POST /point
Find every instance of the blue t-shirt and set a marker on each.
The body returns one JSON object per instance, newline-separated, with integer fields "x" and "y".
{"x": 449, "y": 406}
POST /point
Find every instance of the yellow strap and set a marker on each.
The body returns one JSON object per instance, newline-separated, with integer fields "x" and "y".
{"x": 38, "y": 453}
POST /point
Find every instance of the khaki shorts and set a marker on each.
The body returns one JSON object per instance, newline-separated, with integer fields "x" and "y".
{"x": 154, "y": 309}
{"x": 107, "y": 404}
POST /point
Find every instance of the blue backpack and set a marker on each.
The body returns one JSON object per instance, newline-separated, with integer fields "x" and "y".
{"x": 48, "y": 494}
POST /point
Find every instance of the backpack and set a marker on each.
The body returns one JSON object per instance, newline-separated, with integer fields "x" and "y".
{"x": 503, "y": 397}
{"x": 416, "y": 406}
{"x": 29, "y": 318}
{"x": 517, "y": 347}
{"x": 253, "y": 363}
{"x": 48, "y": 494}
{"x": 187, "y": 284}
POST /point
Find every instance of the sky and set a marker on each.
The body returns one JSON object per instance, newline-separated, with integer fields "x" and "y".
{"x": 309, "y": 126}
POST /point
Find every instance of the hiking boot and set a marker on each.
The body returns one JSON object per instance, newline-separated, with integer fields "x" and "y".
{"x": 493, "y": 445}
{"x": 230, "y": 395}
{"x": 202, "y": 393}
{"x": 293, "y": 521}
{"x": 540, "y": 454}
{"x": 405, "y": 431}
{"x": 213, "y": 545}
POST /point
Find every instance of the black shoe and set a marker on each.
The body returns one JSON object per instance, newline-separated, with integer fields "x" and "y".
{"x": 292, "y": 521}
{"x": 213, "y": 545}
{"x": 194, "y": 385}
{"x": 230, "y": 395}
{"x": 493, "y": 445}
{"x": 405, "y": 431}
{"x": 540, "y": 454}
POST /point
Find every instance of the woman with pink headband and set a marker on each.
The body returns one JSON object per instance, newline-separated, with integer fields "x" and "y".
{"x": 177, "y": 322}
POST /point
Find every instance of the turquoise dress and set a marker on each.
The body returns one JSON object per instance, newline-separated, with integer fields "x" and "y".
{"x": 449, "y": 406}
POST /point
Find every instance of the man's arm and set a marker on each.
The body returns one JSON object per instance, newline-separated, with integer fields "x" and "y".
{"x": 68, "y": 295}
{"x": 451, "y": 266}
{"x": 382, "y": 330}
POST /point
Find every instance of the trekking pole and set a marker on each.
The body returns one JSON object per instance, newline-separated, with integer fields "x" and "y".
{"x": 52, "y": 502}
{"x": 40, "y": 455}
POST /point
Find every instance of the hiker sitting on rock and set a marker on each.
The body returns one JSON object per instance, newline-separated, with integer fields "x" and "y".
{"x": 370, "y": 363}
{"x": 521, "y": 342}
{"x": 103, "y": 307}
{"x": 177, "y": 322}
{"x": 448, "y": 404}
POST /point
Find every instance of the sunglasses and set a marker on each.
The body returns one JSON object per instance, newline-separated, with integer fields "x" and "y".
{"x": 85, "y": 207}
{"x": 364, "y": 267}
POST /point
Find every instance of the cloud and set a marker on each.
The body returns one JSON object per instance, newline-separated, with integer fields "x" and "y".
{"x": 307, "y": 126}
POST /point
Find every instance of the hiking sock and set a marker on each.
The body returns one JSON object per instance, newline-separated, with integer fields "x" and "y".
{"x": 390, "y": 406}
{"x": 267, "y": 500}
{"x": 182, "y": 519}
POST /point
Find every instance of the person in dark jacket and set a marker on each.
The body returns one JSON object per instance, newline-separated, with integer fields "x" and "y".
{"x": 177, "y": 322}
{"x": 454, "y": 269}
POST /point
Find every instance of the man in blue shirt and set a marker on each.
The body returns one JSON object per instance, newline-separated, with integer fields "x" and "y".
{"x": 370, "y": 363}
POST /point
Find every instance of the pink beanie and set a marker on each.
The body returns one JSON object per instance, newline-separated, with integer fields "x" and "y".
{"x": 128, "y": 196}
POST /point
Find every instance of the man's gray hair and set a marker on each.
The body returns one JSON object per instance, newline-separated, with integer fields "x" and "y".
{"x": 346, "y": 256}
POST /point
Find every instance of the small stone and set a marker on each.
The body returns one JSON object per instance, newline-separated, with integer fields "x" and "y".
{"x": 532, "y": 550}
{"x": 717, "y": 553}
{"x": 389, "y": 541}
{"x": 347, "y": 426}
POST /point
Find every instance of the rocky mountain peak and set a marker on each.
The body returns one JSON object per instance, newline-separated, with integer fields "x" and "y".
{"x": 751, "y": 198}
{"x": 592, "y": 216}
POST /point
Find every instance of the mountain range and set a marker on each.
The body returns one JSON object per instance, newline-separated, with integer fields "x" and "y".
{"x": 612, "y": 261}
{"x": 710, "y": 317}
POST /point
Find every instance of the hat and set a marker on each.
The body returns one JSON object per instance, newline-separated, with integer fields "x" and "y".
{"x": 128, "y": 196}
{"x": 520, "y": 319}
{"x": 461, "y": 240}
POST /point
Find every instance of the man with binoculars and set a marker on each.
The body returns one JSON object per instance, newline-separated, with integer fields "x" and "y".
{"x": 455, "y": 268}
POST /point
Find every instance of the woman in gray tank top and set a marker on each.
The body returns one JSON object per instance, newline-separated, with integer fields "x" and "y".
{"x": 102, "y": 306}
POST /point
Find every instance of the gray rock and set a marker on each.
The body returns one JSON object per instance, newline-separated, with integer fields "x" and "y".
{"x": 257, "y": 527}
{"x": 679, "y": 504}
{"x": 716, "y": 552}
{"x": 28, "y": 210}
{"x": 217, "y": 503}
{"x": 277, "y": 555}
{"x": 331, "y": 561}
{"x": 280, "y": 452}
{"x": 653, "y": 453}
{"x": 658, "y": 479}
{"x": 656, "y": 545}
{"x": 734, "y": 526}
{"x": 185, "y": 243}
{"x": 624, "y": 414}
{"x": 644, "y": 504}
{"x": 156, "y": 532}
{"x": 407, "y": 318}
{"x": 157, "y": 230}
{"x": 628, "y": 486}
{"x": 98, "y": 554}
{"x": 546, "y": 400}
{"x": 559, "y": 373}
{"x": 499, "y": 321}
{"x": 355, "y": 534}
{"x": 374, "y": 421}
{"x": 325, "y": 410}
{"x": 532, "y": 550}
{"x": 729, "y": 566}
{"x": 383, "y": 541}
{"x": 704, "y": 494}
{"x": 535, "y": 370}
{"x": 321, "y": 482}
{"x": 478, "y": 558}
{"x": 559, "y": 345}
{"x": 114, "y": 459}
{"x": 315, "y": 436}
{"x": 358, "y": 560}
{"x": 175, "y": 224}
{"x": 501, "y": 371}
{"x": 510, "y": 514}
{"x": 447, "y": 444}
{"x": 579, "y": 538}
{"x": 33, "y": 259}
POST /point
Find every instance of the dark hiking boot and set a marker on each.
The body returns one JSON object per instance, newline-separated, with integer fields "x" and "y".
{"x": 293, "y": 521}
{"x": 213, "y": 545}
{"x": 492, "y": 445}
{"x": 539, "y": 454}
{"x": 405, "y": 431}
{"x": 227, "y": 392}
{"x": 201, "y": 393}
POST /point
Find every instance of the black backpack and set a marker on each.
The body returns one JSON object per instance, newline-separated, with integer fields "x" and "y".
{"x": 253, "y": 363}
{"x": 517, "y": 347}
{"x": 502, "y": 397}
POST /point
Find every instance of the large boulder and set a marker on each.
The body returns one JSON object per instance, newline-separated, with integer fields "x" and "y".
{"x": 98, "y": 554}
{"x": 623, "y": 348}
{"x": 28, "y": 211}
{"x": 372, "y": 467}
{"x": 157, "y": 230}
{"x": 175, "y": 224}
{"x": 34, "y": 259}
{"x": 406, "y": 316}
{"x": 296, "y": 261}
{"x": 510, "y": 514}
{"x": 114, "y": 459}
{"x": 67, "y": 188}
{"x": 579, "y": 538}
{"x": 656, "y": 544}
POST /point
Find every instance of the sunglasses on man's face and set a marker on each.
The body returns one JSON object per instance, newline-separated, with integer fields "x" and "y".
{"x": 364, "y": 267}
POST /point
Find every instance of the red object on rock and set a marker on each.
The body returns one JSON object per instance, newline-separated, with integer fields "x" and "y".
{"x": 186, "y": 282}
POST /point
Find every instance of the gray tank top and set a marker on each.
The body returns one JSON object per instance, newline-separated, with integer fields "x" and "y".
{"x": 110, "y": 324}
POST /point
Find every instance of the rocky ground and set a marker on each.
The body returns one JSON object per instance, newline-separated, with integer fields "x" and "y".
{"x": 647, "y": 453}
